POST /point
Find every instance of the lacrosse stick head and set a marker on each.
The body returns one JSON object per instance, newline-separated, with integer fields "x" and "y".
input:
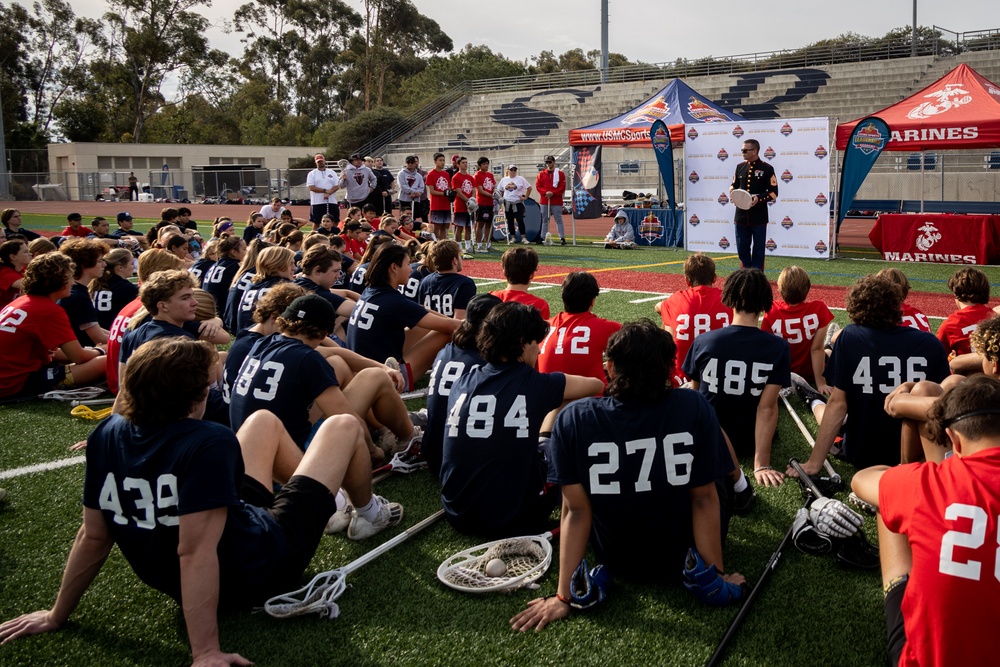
{"x": 317, "y": 597}
{"x": 527, "y": 559}
{"x": 410, "y": 459}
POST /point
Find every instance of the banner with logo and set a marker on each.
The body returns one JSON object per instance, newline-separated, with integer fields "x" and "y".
{"x": 664, "y": 150}
{"x": 797, "y": 148}
{"x": 587, "y": 182}
{"x": 866, "y": 143}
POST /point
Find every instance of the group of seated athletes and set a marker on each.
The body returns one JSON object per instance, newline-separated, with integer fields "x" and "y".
{"x": 219, "y": 472}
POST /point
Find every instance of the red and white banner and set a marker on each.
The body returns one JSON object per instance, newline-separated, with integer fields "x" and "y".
{"x": 941, "y": 238}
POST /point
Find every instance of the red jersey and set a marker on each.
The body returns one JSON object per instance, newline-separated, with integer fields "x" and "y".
{"x": 915, "y": 319}
{"x": 465, "y": 184}
{"x": 690, "y": 313}
{"x": 352, "y": 247}
{"x": 80, "y": 232}
{"x": 486, "y": 181}
{"x": 798, "y": 325}
{"x": 524, "y": 297}
{"x": 576, "y": 344}
{"x": 30, "y": 326}
{"x": 115, "y": 335}
{"x": 956, "y": 329}
{"x": 8, "y": 277}
{"x": 441, "y": 181}
{"x": 949, "y": 513}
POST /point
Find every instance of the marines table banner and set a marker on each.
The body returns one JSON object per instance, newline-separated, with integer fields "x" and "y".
{"x": 659, "y": 135}
{"x": 865, "y": 144}
{"x": 798, "y": 149}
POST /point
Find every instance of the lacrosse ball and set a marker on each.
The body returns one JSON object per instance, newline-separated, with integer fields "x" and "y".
{"x": 496, "y": 568}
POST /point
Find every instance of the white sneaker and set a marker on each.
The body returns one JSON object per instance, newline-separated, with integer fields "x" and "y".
{"x": 548, "y": 239}
{"x": 389, "y": 514}
{"x": 419, "y": 418}
{"x": 392, "y": 363}
{"x": 340, "y": 520}
{"x": 525, "y": 242}
{"x": 479, "y": 247}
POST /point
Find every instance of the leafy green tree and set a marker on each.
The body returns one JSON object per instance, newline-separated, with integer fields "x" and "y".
{"x": 445, "y": 73}
{"x": 364, "y": 127}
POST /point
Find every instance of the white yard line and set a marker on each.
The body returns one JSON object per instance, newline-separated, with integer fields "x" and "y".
{"x": 658, "y": 297}
{"x": 42, "y": 467}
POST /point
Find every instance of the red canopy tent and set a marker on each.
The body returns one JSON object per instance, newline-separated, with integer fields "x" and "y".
{"x": 959, "y": 110}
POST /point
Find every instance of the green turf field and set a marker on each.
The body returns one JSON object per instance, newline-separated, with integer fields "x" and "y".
{"x": 395, "y": 611}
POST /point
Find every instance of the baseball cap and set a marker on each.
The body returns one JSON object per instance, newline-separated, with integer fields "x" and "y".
{"x": 621, "y": 214}
{"x": 124, "y": 215}
{"x": 312, "y": 309}
{"x": 319, "y": 156}
{"x": 355, "y": 156}
{"x": 550, "y": 158}
{"x": 454, "y": 158}
{"x": 411, "y": 159}
{"x": 512, "y": 167}
{"x": 480, "y": 306}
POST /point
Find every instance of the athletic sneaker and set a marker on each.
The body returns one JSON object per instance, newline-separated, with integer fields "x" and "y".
{"x": 468, "y": 255}
{"x": 562, "y": 241}
{"x": 831, "y": 331}
{"x": 419, "y": 418}
{"x": 340, "y": 520}
{"x": 525, "y": 242}
{"x": 392, "y": 363}
{"x": 479, "y": 247}
{"x": 386, "y": 440}
{"x": 805, "y": 391}
{"x": 861, "y": 504}
{"x": 389, "y": 514}
{"x": 743, "y": 501}
{"x": 510, "y": 240}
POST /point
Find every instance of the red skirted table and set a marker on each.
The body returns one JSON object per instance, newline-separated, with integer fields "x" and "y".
{"x": 937, "y": 237}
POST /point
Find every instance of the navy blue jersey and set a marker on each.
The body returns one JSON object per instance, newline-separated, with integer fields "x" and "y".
{"x": 347, "y": 266}
{"x": 867, "y": 364}
{"x": 450, "y": 364}
{"x": 80, "y": 310}
{"x": 357, "y": 280}
{"x": 121, "y": 233}
{"x": 410, "y": 288}
{"x": 250, "y": 298}
{"x": 733, "y": 364}
{"x": 237, "y": 354}
{"x": 217, "y": 279}
{"x": 446, "y": 292}
{"x": 108, "y": 302}
{"x": 234, "y": 297}
{"x": 632, "y": 458}
{"x": 199, "y": 268}
{"x": 281, "y": 375}
{"x": 334, "y": 299}
{"x": 376, "y": 329}
{"x": 143, "y": 481}
{"x": 250, "y": 233}
{"x": 490, "y": 450}
{"x": 151, "y": 329}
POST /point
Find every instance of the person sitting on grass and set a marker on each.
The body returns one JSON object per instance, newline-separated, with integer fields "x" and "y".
{"x": 385, "y": 326}
{"x": 577, "y": 338}
{"x": 519, "y": 266}
{"x": 803, "y": 324}
{"x": 621, "y": 235}
{"x": 493, "y": 464}
{"x": 31, "y": 325}
{"x": 209, "y": 256}
{"x": 218, "y": 537}
{"x": 691, "y": 312}
{"x": 275, "y": 265}
{"x": 641, "y": 413}
{"x": 935, "y": 525}
{"x": 871, "y": 357}
{"x": 113, "y": 290}
{"x": 356, "y": 283}
{"x": 446, "y": 290}
{"x": 74, "y": 227}
{"x": 88, "y": 257}
{"x": 971, "y": 288}
{"x": 912, "y": 316}
{"x": 14, "y": 259}
{"x": 740, "y": 370}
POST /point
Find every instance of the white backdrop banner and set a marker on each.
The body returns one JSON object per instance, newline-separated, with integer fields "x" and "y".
{"x": 798, "y": 149}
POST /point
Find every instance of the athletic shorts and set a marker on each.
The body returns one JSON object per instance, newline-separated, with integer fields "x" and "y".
{"x": 317, "y": 211}
{"x": 440, "y": 217}
{"x": 895, "y": 632}
{"x": 484, "y": 214}
{"x": 408, "y": 378}
{"x": 301, "y": 508}
{"x": 44, "y": 379}
{"x": 461, "y": 220}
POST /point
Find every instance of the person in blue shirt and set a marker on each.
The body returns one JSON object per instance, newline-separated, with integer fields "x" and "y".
{"x": 446, "y": 291}
{"x": 219, "y": 277}
{"x": 275, "y": 265}
{"x": 241, "y": 282}
{"x": 189, "y": 503}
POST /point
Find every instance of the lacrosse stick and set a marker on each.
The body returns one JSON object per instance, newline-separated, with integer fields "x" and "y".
{"x": 85, "y": 412}
{"x": 833, "y": 483}
{"x": 319, "y": 595}
{"x": 96, "y": 401}
{"x": 856, "y": 550}
{"x": 406, "y": 461}
{"x": 745, "y": 609}
{"x": 80, "y": 393}
{"x": 526, "y": 560}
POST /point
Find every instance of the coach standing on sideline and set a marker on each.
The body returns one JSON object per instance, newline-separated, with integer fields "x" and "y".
{"x": 551, "y": 186}
{"x": 359, "y": 181}
{"x": 756, "y": 177}
{"x": 322, "y": 184}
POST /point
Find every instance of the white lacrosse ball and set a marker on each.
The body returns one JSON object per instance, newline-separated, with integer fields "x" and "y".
{"x": 496, "y": 568}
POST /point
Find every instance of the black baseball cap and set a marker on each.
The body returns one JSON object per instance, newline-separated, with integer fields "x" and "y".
{"x": 312, "y": 309}
{"x": 124, "y": 215}
{"x": 550, "y": 158}
{"x": 355, "y": 156}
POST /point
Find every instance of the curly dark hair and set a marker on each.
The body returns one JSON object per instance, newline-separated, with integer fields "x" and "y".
{"x": 970, "y": 286}
{"x": 747, "y": 291}
{"x": 897, "y": 276}
{"x": 875, "y": 301}
{"x": 164, "y": 379}
{"x": 276, "y": 301}
{"x": 85, "y": 253}
{"x": 47, "y": 274}
{"x": 971, "y": 408}
{"x": 986, "y": 339}
{"x": 507, "y": 329}
{"x": 642, "y": 355}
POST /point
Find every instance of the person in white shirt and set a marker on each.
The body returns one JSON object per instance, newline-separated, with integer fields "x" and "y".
{"x": 411, "y": 186}
{"x": 322, "y": 183}
{"x": 272, "y": 210}
{"x": 515, "y": 190}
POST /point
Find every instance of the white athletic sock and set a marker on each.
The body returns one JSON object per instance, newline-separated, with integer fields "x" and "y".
{"x": 369, "y": 511}
{"x": 341, "y": 499}
{"x": 812, "y": 406}
{"x": 741, "y": 483}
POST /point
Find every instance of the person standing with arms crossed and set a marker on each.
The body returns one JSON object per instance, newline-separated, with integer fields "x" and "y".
{"x": 323, "y": 183}
{"x": 756, "y": 177}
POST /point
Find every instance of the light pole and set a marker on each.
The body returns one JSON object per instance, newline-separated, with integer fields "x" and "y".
{"x": 604, "y": 41}
{"x": 913, "y": 41}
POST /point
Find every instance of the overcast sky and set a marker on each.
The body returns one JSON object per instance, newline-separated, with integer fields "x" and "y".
{"x": 657, "y": 31}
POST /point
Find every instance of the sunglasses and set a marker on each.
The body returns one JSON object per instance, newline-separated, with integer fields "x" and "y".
{"x": 747, "y": 150}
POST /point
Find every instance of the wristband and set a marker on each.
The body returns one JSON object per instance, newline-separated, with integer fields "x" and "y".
{"x": 562, "y": 599}
{"x": 757, "y": 470}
